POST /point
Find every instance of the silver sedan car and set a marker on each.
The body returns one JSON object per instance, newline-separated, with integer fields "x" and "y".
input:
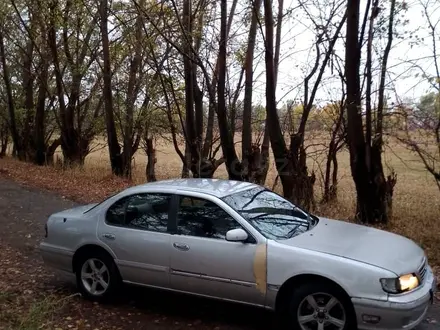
{"x": 240, "y": 242}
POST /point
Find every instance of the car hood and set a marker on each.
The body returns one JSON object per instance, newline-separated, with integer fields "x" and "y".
{"x": 75, "y": 211}
{"x": 361, "y": 243}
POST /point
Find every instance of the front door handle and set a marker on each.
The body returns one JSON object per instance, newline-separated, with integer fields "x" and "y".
{"x": 109, "y": 236}
{"x": 181, "y": 247}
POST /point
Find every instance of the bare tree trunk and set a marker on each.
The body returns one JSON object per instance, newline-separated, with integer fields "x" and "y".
{"x": 248, "y": 89}
{"x": 383, "y": 72}
{"x": 369, "y": 80}
{"x": 70, "y": 142}
{"x": 129, "y": 147}
{"x": 331, "y": 177}
{"x": 329, "y": 196}
{"x": 4, "y": 146}
{"x": 233, "y": 165}
{"x": 28, "y": 88}
{"x": 11, "y": 108}
{"x": 190, "y": 131}
{"x": 371, "y": 187}
{"x": 387, "y": 185}
{"x": 207, "y": 146}
{"x": 159, "y": 67}
{"x": 331, "y": 172}
{"x": 4, "y": 139}
{"x": 50, "y": 151}
{"x": 278, "y": 39}
{"x": 283, "y": 164}
{"x": 355, "y": 130}
{"x": 303, "y": 182}
{"x": 185, "y": 166}
{"x": 40, "y": 145}
{"x": 233, "y": 103}
{"x": 112, "y": 138}
{"x": 151, "y": 160}
{"x": 263, "y": 169}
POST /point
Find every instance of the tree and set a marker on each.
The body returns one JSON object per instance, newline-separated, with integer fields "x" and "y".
{"x": 249, "y": 158}
{"x": 9, "y": 97}
{"x": 337, "y": 142}
{"x": 284, "y": 168}
{"x": 291, "y": 163}
{"x": 260, "y": 155}
{"x": 73, "y": 58}
{"x": 422, "y": 132}
{"x": 304, "y": 193}
{"x": 233, "y": 165}
{"x": 200, "y": 149}
{"x": 25, "y": 41}
{"x": 4, "y": 137}
{"x": 374, "y": 192}
{"x": 112, "y": 137}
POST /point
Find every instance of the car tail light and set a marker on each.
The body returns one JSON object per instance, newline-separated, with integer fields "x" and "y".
{"x": 45, "y": 230}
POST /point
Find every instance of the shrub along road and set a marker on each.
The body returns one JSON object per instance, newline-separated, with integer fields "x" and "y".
{"x": 32, "y": 296}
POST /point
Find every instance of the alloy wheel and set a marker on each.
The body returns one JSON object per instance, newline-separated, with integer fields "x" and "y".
{"x": 321, "y": 311}
{"x": 95, "y": 277}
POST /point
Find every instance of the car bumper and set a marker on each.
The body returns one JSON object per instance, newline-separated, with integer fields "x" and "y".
{"x": 56, "y": 257}
{"x": 399, "y": 312}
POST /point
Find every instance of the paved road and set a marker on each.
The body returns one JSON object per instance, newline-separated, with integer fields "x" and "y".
{"x": 23, "y": 212}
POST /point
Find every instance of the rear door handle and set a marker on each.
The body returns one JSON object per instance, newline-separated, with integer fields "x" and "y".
{"x": 109, "y": 236}
{"x": 181, "y": 247}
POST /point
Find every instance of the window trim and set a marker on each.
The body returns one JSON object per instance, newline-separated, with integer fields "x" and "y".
{"x": 176, "y": 206}
{"x": 98, "y": 205}
{"x": 127, "y": 197}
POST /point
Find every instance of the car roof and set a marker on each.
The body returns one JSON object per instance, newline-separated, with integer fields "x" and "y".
{"x": 216, "y": 187}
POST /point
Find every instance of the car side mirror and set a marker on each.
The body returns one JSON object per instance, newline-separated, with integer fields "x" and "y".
{"x": 236, "y": 235}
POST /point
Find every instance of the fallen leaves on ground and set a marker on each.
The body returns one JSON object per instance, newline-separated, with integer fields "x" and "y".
{"x": 73, "y": 185}
{"x": 31, "y": 298}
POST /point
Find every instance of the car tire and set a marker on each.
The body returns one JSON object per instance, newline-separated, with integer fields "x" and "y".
{"x": 97, "y": 276}
{"x": 301, "y": 315}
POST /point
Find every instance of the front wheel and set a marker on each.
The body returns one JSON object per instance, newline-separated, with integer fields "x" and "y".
{"x": 318, "y": 306}
{"x": 97, "y": 277}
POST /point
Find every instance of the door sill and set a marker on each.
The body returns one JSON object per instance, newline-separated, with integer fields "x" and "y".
{"x": 197, "y": 295}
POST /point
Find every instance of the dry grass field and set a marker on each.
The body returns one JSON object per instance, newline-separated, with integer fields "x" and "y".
{"x": 416, "y": 207}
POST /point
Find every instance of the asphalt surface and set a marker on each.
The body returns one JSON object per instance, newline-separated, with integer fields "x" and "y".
{"x": 24, "y": 210}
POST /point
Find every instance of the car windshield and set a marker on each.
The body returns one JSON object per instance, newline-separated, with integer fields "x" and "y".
{"x": 272, "y": 215}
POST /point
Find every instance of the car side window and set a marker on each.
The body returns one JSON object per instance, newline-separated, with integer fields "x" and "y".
{"x": 141, "y": 211}
{"x": 203, "y": 218}
{"x": 116, "y": 213}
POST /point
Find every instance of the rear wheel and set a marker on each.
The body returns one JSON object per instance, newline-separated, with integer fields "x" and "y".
{"x": 318, "y": 306}
{"x": 97, "y": 276}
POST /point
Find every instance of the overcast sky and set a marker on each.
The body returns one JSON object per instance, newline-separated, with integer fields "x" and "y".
{"x": 296, "y": 55}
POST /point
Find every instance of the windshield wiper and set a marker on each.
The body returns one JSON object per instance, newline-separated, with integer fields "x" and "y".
{"x": 309, "y": 221}
{"x": 292, "y": 232}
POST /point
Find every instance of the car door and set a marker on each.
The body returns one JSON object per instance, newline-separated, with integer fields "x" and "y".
{"x": 202, "y": 260}
{"x": 135, "y": 228}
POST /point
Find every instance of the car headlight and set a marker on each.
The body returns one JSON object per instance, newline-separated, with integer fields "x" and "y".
{"x": 401, "y": 284}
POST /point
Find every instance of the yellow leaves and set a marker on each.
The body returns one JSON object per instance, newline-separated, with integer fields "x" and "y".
{"x": 331, "y": 110}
